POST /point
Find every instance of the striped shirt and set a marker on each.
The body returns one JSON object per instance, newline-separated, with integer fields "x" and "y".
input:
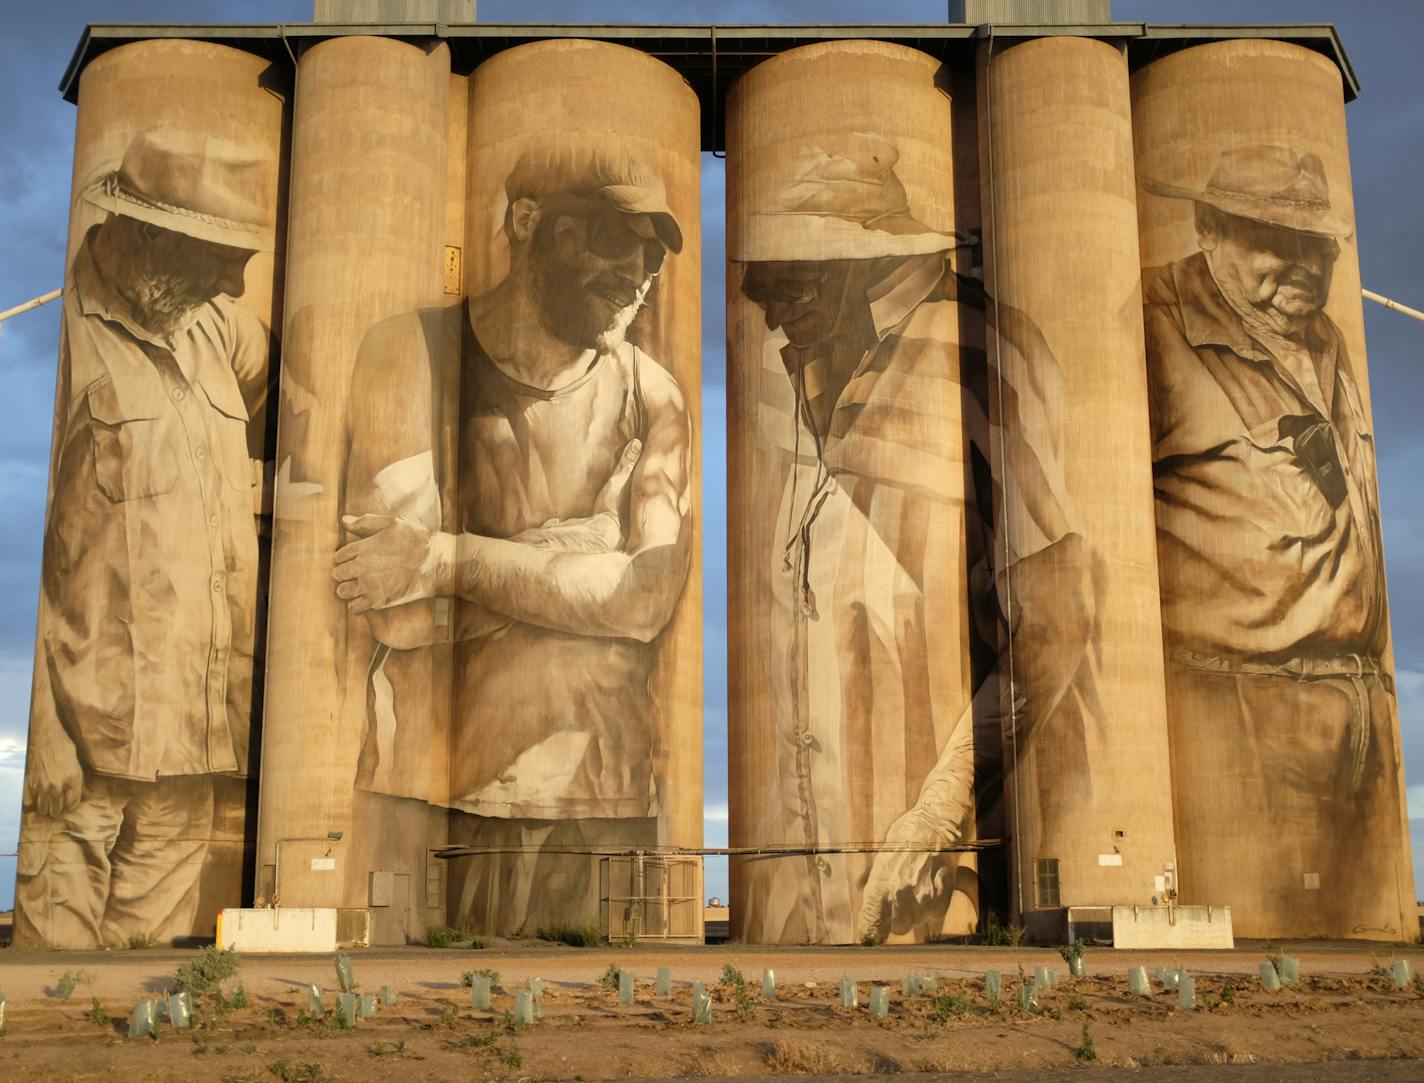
{"x": 870, "y": 627}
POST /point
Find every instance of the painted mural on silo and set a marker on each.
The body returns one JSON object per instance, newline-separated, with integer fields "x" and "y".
{"x": 852, "y": 737}
{"x": 1285, "y": 732}
{"x": 135, "y": 806}
{"x": 535, "y": 506}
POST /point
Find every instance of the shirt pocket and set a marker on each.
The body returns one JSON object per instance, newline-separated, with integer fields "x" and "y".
{"x": 230, "y": 432}
{"x": 133, "y": 456}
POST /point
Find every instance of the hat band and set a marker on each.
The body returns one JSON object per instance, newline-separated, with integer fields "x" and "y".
{"x": 112, "y": 186}
{"x": 1317, "y": 205}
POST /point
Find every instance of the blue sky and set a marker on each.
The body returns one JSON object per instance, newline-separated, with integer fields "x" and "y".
{"x": 36, "y": 143}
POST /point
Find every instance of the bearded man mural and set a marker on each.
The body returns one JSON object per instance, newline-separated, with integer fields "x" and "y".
{"x": 1268, "y": 532}
{"x": 149, "y": 591}
{"x": 566, "y": 547}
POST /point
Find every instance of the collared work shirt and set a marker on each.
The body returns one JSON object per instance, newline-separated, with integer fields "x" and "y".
{"x": 149, "y": 586}
{"x": 1255, "y": 559}
{"x": 870, "y": 623}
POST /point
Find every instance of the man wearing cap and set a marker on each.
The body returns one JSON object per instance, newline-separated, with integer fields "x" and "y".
{"x": 876, "y": 352}
{"x": 569, "y": 542}
{"x": 1273, "y": 594}
{"x": 143, "y": 676}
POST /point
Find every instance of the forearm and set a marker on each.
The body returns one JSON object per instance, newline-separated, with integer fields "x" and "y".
{"x": 625, "y": 595}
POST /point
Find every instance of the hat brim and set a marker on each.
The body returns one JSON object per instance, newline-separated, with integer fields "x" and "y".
{"x": 631, "y": 199}
{"x": 1293, "y": 216}
{"x": 107, "y": 195}
{"x": 799, "y": 237}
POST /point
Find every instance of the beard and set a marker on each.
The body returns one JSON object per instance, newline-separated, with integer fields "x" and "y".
{"x": 164, "y": 301}
{"x": 585, "y": 313}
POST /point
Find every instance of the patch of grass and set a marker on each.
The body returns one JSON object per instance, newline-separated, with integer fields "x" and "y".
{"x": 995, "y": 935}
{"x": 467, "y": 979}
{"x": 140, "y": 941}
{"x": 448, "y": 1015}
{"x": 1076, "y": 1003}
{"x": 96, "y": 1013}
{"x": 1085, "y": 1050}
{"x": 283, "y": 1070}
{"x": 799, "y": 1058}
{"x": 70, "y": 980}
{"x": 587, "y": 935}
{"x": 512, "y": 1057}
{"x": 207, "y": 972}
{"x": 1228, "y": 993}
{"x": 610, "y": 977}
{"x": 948, "y": 1005}
{"x": 239, "y": 998}
{"x": 439, "y": 937}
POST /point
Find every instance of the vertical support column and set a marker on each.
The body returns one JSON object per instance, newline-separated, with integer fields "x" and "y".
{"x": 1087, "y": 774}
{"x": 144, "y": 706}
{"x": 366, "y": 243}
{"x": 850, "y": 360}
{"x": 577, "y": 718}
{"x": 1285, "y": 733}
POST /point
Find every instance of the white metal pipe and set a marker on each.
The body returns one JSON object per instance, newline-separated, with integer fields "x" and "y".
{"x": 1382, "y": 300}
{"x": 35, "y": 303}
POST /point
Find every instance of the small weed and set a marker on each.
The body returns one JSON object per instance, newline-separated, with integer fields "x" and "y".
{"x": 477, "y": 1041}
{"x": 448, "y": 1015}
{"x": 97, "y": 1014}
{"x": 478, "y": 943}
{"x": 731, "y": 976}
{"x": 512, "y": 1057}
{"x": 140, "y": 941}
{"x": 199, "y": 1048}
{"x": 999, "y": 936}
{"x": 610, "y": 977}
{"x": 467, "y": 979}
{"x": 1076, "y": 1003}
{"x": 948, "y": 1005}
{"x": 380, "y": 1049}
{"x": 207, "y": 972}
{"x": 575, "y": 936}
{"x": 1228, "y": 993}
{"x": 313, "y": 1072}
{"x": 248, "y": 1047}
{"x": 1072, "y": 951}
{"x": 1086, "y": 1051}
{"x": 439, "y": 937}
{"x": 628, "y": 940}
{"x": 337, "y": 1021}
{"x": 283, "y": 1070}
{"x": 1015, "y": 933}
{"x": 275, "y": 1016}
{"x": 239, "y": 998}
{"x": 69, "y": 980}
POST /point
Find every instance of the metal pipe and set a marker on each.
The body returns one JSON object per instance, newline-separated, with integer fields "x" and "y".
{"x": 1371, "y": 295}
{"x": 717, "y": 851}
{"x": 35, "y": 303}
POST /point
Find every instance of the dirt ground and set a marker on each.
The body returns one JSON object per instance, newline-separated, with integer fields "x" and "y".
{"x": 1341, "y": 1010}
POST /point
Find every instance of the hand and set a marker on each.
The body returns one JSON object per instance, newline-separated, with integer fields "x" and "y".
{"x": 600, "y": 532}
{"x": 904, "y": 887}
{"x": 54, "y": 782}
{"x": 394, "y": 561}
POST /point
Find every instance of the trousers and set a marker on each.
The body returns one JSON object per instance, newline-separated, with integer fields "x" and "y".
{"x": 125, "y": 862}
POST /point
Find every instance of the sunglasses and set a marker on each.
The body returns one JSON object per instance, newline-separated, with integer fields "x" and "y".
{"x": 611, "y": 236}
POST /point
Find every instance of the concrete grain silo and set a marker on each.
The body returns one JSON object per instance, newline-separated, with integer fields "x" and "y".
{"x": 1286, "y": 760}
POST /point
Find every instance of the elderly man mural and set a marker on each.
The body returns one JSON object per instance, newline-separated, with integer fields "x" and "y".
{"x": 874, "y": 332}
{"x": 569, "y": 545}
{"x": 1273, "y": 594}
{"x": 143, "y": 680}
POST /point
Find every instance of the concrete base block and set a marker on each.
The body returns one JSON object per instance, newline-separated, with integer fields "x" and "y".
{"x": 1137, "y": 927}
{"x": 278, "y": 929}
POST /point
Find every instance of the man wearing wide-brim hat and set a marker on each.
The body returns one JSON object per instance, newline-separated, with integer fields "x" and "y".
{"x": 1269, "y": 545}
{"x": 875, "y": 347}
{"x": 143, "y": 682}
